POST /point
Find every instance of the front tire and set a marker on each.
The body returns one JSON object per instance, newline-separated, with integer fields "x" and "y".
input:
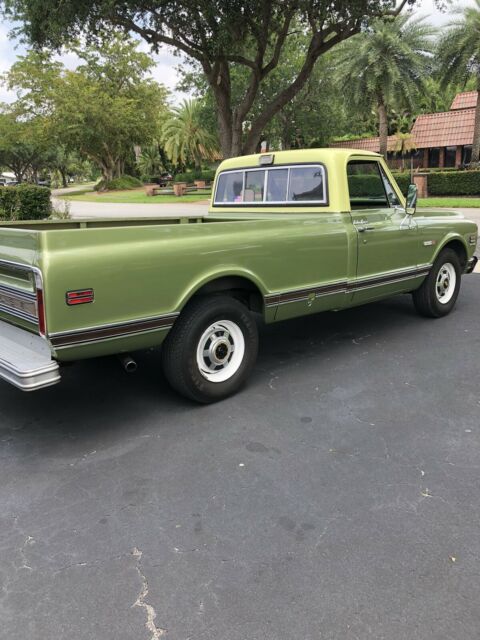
{"x": 439, "y": 292}
{"x": 211, "y": 349}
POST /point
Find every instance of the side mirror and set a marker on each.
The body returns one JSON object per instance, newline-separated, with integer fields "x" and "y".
{"x": 411, "y": 203}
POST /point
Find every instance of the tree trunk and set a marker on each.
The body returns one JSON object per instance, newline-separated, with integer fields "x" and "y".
{"x": 382, "y": 127}
{"x": 476, "y": 131}
{"x": 64, "y": 178}
{"x": 219, "y": 80}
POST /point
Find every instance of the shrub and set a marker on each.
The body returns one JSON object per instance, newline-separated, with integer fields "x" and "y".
{"x": 458, "y": 183}
{"x": 119, "y": 184}
{"x": 25, "y": 202}
{"x": 403, "y": 181}
{"x": 208, "y": 175}
{"x": 150, "y": 178}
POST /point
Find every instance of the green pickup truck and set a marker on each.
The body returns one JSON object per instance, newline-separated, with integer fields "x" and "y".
{"x": 288, "y": 233}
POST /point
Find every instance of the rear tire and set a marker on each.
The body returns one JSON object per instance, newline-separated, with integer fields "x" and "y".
{"x": 439, "y": 292}
{"x": 211, "y": 349}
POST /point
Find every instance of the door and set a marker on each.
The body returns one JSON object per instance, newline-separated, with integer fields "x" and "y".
{"x": 387, "y": 238}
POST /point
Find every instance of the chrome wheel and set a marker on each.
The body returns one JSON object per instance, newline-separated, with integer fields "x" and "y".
{"x": 446, "y": 282}
{"x": 220, "y": 351}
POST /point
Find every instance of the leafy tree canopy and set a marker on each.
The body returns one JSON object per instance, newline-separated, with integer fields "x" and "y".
{"x": 101, "y": 110}
{"x": 221, "y": 36}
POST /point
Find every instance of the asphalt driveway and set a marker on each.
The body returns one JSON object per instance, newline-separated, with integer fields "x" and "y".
{"x": 336, "y": 497}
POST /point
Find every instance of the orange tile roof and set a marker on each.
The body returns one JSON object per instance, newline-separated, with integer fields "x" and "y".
{"x": 367, "y": 144}
{"x": 465, "y": 100}
{"x": 446, "y": 129}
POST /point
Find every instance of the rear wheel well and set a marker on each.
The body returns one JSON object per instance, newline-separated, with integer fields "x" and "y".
{"x": 460, "y": 250}
{"x": 242, "y": 289}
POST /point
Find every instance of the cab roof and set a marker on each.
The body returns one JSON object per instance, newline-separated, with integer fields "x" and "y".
{"x": 324, "y": 155}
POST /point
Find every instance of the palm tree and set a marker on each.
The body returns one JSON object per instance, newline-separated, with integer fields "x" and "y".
{"x": 386, "y": 64}
{"x": 459, "y": 54}
{"x": 404, "y": 143}
{"x": 185, "y": 137}
{"x": 149, "y": 161}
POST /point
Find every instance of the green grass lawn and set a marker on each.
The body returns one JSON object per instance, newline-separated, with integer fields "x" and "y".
{"x": 134, "y": 196}
{"x": 451, "y": 202}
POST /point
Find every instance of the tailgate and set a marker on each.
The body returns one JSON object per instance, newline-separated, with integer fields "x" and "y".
{"x": 20, "y": 279}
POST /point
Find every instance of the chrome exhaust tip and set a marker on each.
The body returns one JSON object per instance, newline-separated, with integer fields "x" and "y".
{"x": 128, "y": 363}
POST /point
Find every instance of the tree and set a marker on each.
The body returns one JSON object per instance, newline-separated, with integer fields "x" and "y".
{"x": 386, "y": 64}
{"x": 404, "y": 143}
{"x": 221, "y": 36}
{"x": 184, "y": 137}
{"x": 459, "y": 53}
{"x": 100, "y": 110}
{"x": 23, "y": 143}
{"x": 149, "y": 162}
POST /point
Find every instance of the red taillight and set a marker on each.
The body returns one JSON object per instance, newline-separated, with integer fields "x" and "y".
{"x": 82, "y": 296}
{"x": 42, "y": 325}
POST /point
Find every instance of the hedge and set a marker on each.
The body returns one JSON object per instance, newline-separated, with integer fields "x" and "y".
{"x": 25, "y": 202}
{"x": 458, "y": 183}
{"x": 403, "y": 180}
{"x": 119, "y": 184}
{"x": 207, "y": 175}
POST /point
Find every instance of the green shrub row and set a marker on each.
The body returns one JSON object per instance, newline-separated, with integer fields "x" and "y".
{"x": 208, "y": 175}
{"x": 403, "y": 180}
{"x": 458, "y": 183}
{"x": 149, "y": 178}
{"x": 119, "y": 184}
{"x": 25, "y": 202}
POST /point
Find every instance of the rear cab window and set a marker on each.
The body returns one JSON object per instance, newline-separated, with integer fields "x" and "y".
{"x": 280, "y": 185}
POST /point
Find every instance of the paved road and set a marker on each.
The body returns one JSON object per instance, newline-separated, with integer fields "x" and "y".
{"x": 336, "y": 497}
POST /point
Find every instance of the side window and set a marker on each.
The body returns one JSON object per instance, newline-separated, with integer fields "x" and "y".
{"x": 392, "y": 197}
{"x": 306, "y": 183}
{"x": 366, "y": 185}
{"x": 230, "y": 187}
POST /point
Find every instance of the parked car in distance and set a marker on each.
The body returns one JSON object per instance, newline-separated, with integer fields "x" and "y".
{"x": 164, "y": 179}
{"x": 288, "y": 234}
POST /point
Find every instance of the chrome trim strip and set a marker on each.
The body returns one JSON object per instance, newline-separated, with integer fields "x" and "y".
{"x": 100, "y": 333}
{"x": 17, "y": 313}
{"x": 345, "y": 286}
{"x": 19, "y": 293}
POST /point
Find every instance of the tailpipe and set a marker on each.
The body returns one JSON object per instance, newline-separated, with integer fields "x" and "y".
{"x": 128, "y": 363}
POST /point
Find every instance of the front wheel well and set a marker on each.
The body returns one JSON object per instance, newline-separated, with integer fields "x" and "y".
{"x": 460, "y": 250}
{"x": 238, "y": 287}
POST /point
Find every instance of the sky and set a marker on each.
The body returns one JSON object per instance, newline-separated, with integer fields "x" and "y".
{"x": 166, "y": 62}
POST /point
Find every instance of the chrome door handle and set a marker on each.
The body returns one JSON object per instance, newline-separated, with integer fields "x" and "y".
{"x": 362, "y": 229}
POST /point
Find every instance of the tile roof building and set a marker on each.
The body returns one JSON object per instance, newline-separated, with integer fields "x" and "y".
{"x": 441, "y": 139}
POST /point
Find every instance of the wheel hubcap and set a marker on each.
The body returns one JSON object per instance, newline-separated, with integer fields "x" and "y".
{"x": 220, "y": 351}
{"x": 445, "y": 284}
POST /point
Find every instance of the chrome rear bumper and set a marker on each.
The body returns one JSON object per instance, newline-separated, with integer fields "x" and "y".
{"x": 25, "y": 359}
